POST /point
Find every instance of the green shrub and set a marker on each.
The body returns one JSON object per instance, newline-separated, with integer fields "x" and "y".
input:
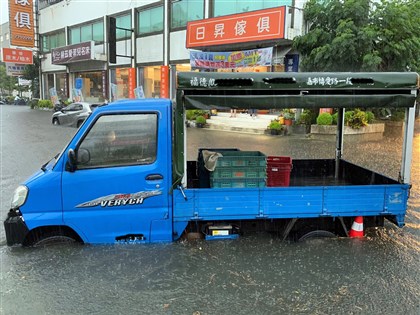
{"x": 192, "y": 114}
{"x": 45, "y": 104}
{"x": 275, "y": 125}
{"x": 334, "y": 118}
{"x": 33, "y": 103}
{"x": 307, "y": 117}
{"x": 358, "y": 119}
{"x": 370, "y": 117}
{"x": 347, "y": 116}
{"x": 200, "y": 120}
{"x": 398, "y": 114}
{"x": 324, "y": 119}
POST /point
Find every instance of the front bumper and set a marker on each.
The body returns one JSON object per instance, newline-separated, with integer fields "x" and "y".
{"x": 15, "y": 227}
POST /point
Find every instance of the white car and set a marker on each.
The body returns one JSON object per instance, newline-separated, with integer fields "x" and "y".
{"x": 72, "y": 115}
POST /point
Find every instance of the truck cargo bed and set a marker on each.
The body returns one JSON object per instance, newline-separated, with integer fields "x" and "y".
{"x": 313, "y": 192}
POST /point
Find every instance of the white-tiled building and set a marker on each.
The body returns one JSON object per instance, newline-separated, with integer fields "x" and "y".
{"x": 158, "y": 38}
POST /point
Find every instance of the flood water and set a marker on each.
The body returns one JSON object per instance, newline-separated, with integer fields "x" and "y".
{"x": 258, "y": 274}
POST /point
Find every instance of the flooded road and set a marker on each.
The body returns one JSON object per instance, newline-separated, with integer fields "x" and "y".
{"x": 258, "y": 274}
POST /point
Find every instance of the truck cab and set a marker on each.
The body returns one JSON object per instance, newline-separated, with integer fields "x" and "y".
{"x": 110, "y": 184}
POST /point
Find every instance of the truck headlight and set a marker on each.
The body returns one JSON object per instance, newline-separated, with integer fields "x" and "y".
{"x": 19, "y": 196}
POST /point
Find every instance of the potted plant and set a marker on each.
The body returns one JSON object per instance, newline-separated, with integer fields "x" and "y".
{"x": 288, "y": 115}
{"x": 200, "y": 121}
{"x": 275, "y": 127}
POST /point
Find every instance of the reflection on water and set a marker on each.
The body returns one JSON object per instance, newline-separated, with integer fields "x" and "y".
{"x": 254, "y": 275}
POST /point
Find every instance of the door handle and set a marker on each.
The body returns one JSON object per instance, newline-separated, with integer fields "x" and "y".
{"x": 154, "y": 177}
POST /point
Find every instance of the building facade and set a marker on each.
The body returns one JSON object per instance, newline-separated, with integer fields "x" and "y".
{"x": 151, "y": 44}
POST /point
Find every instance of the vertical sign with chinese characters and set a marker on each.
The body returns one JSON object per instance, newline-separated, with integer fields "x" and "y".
{"x": 164, "y": 82}
{"x": 131, "y": 82}
{"x": 104, "y": 88}
{"x": 21, "y": 21}
{"x": 291, "y": 63}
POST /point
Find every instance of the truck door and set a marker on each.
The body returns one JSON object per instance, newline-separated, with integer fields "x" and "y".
{"x": 119, "y": 189}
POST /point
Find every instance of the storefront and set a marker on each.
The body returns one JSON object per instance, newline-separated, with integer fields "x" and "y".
{"x": 87, "y": 78}
{"x": 92, "y": 85}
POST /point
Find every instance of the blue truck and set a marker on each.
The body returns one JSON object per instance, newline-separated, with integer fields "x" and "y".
{"x": 125, "y": 178}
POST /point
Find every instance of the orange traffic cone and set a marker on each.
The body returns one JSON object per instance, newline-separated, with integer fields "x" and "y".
{"x": 357, "y": 228}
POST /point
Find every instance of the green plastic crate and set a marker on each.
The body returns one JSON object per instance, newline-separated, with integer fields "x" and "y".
{"x": 241, "y": 158}
{"x": 237, "y": 183}
{"x": 238, "y": 172}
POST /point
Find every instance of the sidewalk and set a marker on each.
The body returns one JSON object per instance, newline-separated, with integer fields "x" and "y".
{"x": 242, "y": 123}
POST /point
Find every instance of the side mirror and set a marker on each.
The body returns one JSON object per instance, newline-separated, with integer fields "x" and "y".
{"x": 72, "y": 160}
{"x": 83, "y": 156}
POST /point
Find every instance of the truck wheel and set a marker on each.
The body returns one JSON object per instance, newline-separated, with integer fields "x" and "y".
{"x": 55, "y": 121}
{"x": 53, "y": 240}
{"x": 316, "y": 234}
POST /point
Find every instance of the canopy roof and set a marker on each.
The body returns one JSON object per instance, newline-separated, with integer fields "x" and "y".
{"x": 215, "y": 90}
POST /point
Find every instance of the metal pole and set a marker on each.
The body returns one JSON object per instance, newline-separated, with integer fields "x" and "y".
{"x": 339, "y": 141}
{"x": 407, "y": 151}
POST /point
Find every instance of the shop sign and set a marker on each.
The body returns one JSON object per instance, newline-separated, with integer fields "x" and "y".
{"x": 53, "y": 95}
{"x": 131, "y": 82}
{"x": 291, "y": 63}
{"x": 78, "y": 84}
{"x": 231, "y": 59}
{"x": 259, "y": 25}
{"x": 164, "y": 82}
{"x": 104, "y": 81}
{"x": 24, "y": 82}
{"x": 15, "y": 69}
{"x": 138, "y": 92}
{"x": 114, "y": 95}
{"x": 18, "y": 56}
{"x": 77, "y": 52}
{"x": 77, "y": 95}
{"x": 21, "y": 23}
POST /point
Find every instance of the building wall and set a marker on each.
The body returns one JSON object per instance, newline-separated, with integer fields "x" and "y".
{"x": 149, "y": 52}
{"x": 73, "y": 12}
{"x": 4, "y": 37}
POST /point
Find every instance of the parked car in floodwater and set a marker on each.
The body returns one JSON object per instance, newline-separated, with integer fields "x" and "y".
{"x": 72, "y": 115}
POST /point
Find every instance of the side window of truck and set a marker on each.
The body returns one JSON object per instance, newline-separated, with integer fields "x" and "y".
{"x": 120, "y": 140}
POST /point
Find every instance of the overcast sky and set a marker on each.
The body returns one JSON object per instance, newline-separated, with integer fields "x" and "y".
{"x": 4, "y": 11}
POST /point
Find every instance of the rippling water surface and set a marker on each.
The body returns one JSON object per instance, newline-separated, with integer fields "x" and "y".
{"x": 258, "y": 274}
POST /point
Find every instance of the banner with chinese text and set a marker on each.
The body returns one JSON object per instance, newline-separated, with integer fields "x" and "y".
{"x": 72, "y": 53}
{"x": 231, "y": 59}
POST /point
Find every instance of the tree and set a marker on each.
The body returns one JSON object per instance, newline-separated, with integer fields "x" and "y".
{"x": 31, "y": 72}
{"x": 7, "y": 82}
{"x": 361, "y": 35}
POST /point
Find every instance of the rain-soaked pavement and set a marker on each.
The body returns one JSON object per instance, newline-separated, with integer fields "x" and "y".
{"x": 253, "y": 275}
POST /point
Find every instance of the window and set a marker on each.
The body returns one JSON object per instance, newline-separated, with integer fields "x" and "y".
{"x": 87, "y": 32}
{"x": 150, "y": 80}
{"x": 150, "y": 20}
{"x": 184, "y": 11}
{"x": 124, "y": 22}
{"x": 53, "y": 40}
{"x": 223, "y": 7}
{"x": 119, "y": 140}
{"x": 1, "y": 38}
